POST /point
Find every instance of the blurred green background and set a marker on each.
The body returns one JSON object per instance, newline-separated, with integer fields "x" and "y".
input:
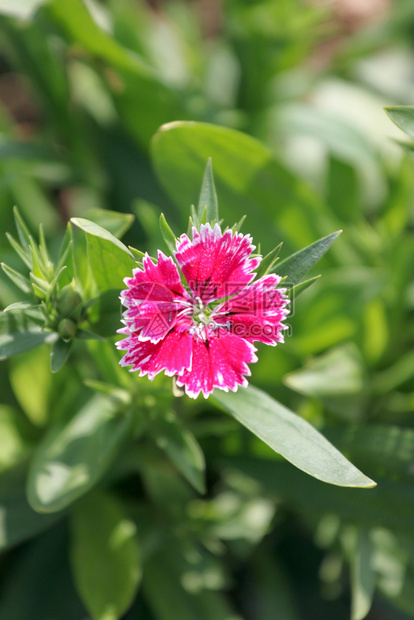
{"x": 84, "y": 87}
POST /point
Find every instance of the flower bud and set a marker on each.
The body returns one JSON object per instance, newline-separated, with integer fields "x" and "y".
{"x": 69, "y": 298}
{"x": 67, "y": 329}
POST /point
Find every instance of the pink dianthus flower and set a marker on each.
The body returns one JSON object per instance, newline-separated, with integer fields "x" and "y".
{"x": 203, "y": 333}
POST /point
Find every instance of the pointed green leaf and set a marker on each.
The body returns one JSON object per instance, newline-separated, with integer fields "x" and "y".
{"x": 25, "y": 256}
{"x": 268, "y": 261}
{"x": 109, "y": 259}
{"x": 43, "y": 246}
{"x": 168, "y": 235}
{"x": 296, "y": 290}
{"x": 20, "y": 306}
{"x": 65, "y": 247}
{"x": 137, "y": 254}
{"x": 105, "y": 556}
{"x": 59, "y": 354}
{"x": 22, "y": 230}
{"x": 208, "y": 196}
{"x": 292, "y": 437}
{"x": 298, "y": 265}
{"x": 40, "y": 266}
{"x": 403, "y": 117}
{"x": 72, "y": 458}
{"x": 113, "y": 221}
{"x": 20, "y": 281}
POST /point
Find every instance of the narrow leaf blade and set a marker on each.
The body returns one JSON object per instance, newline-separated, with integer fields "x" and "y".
{"x": 297, "y": 265}
{"x": 20, "y": 281}
{"x": 167, "y": 233}
{"x": 208, "y": 196}
{"x": 403, "y": 117}
{"x": 59, "y": 354}
{"x": 292, "y": 437}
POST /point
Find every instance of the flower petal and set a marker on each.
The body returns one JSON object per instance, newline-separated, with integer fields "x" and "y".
{"x": 165, "y": 272}
{"x": 256, "y": 313}
{"x": 173, "y": 354}
{"x": 220, "y": 361}
{"x": 154, "y": 298}
{"x": 216, "y": 265}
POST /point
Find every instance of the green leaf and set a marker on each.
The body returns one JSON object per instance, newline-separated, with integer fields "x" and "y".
{"x": 208, "y": 196}
{"x": 362, "y": 577}
{"x": 249, "y": 180}
{"x": 268, "y": 261}
{"x": 109, "y": 259}
{"x": 12, "y": 344}
{"x": 182, "y": 448}
{"x": 25, "y": 256}
{"x": 292, "y": 437}
{"x": 168, "y": 235}
{"x": 77, "y": 21}
{"x": 71, "y": 459}
{"x": 20, "y": 281}
{"x": 137, "y": 254}
{"x": 22, "y": 230}
{"x": 81, "y": 266}
{"x": 403, "y": 117}
{"x": 114, "y": 222}
{"x": 296, "y": 290}
{"x": 19, "y": 521}
{"x": 105, "y": 556}
{"x": 59, "y": 354}
{"x": 298, "y": 265}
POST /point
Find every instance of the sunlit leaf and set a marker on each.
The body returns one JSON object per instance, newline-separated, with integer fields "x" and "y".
{"x": 109, "y": 259}
{"x": 292, "y": 437}
{"x": 208, "y": 196}
{"x": 298, "y": 265}
{"x": 71, "y": 459}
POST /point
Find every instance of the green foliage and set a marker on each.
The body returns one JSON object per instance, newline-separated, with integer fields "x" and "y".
{"x": 73, "y": 457}
{"x": 292, "y": 437}
{"x": 105, "y": 556}
{"x": 111, "y": 115}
